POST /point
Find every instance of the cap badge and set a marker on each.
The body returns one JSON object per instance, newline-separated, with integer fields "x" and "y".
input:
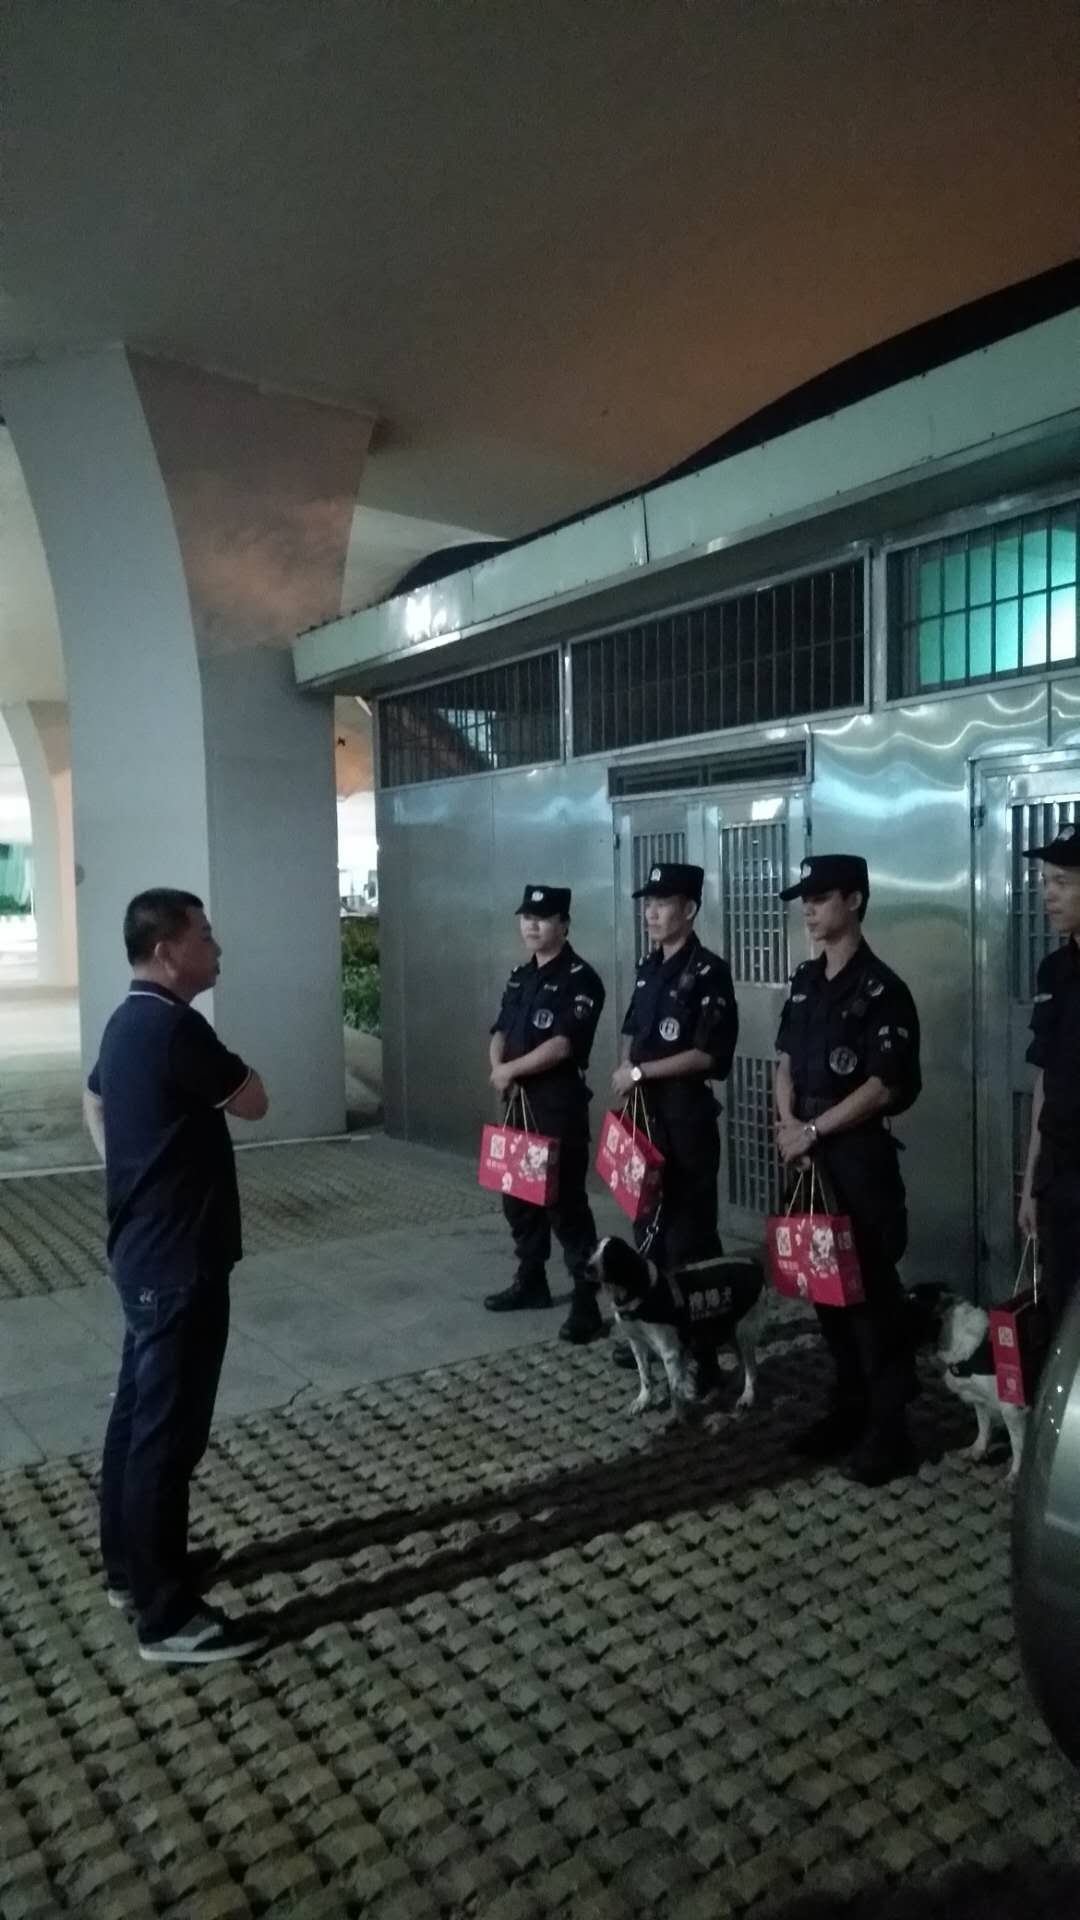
{"x": 1067, "y": 832}
{"x": 655, "y": 874}
{"x": 537, "y": 893}
{"x": 804, "y": 870}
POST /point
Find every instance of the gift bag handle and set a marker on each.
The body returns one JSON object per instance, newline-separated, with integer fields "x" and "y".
{"x": 518, "y": 1095}
{"x": 815, "y": 1184}
{"x": 635, "y": 1107}
{"x": 1031, "y": 1245}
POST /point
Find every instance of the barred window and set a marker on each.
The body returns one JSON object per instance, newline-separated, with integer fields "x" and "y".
{"x": 505, "y": 716}
{"x": 1000, "y": 600}
{"x": 794, "y": 648}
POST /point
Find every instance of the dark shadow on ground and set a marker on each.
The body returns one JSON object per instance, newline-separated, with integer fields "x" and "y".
{"x": 1027, "y": 1889}
{"x": 684, "y": 1469}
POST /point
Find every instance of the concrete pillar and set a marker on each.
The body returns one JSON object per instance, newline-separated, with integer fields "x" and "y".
{"x": 40, "y": 735}
{"x": 192, "y": 526}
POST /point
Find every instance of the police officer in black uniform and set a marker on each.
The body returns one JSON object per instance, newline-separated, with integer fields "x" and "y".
{"x": 1050, "y": 1204}
{"x": 679, "y": 1033}
{"x": 848, "y": 1050}
{"x": 541, "y": 1043}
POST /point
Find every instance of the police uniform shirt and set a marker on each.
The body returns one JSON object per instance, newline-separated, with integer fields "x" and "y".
{"x": 562, "y": 999}
{"x": 1055, "y": 1047}
{"x": 683, "y": 1003}
{"x": 839, "y": 1033}
{"x": 170, "y": 1177}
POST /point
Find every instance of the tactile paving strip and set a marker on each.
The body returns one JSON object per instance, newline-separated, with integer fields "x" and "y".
{"x": 52, "y": 1229}
{"x": 532, "y": 1657}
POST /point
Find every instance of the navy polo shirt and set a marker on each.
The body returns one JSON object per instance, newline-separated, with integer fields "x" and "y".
{"x": 170, "y": 1177}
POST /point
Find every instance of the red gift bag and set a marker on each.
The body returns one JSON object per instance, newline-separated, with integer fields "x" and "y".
{"x": 519, "y": 1161}
{"x": 1020, "y": 1337}
{"x": 812, "y": 1255}
{"x": 627, "y": 1161}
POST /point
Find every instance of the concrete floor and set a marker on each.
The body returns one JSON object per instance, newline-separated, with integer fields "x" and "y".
{"x": 40, "y": 1078}
{"x": 335, "y": 1314}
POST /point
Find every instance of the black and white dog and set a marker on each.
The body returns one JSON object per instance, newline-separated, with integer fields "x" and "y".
{"x": 683, "y": 1318}
{"x": 959, "y": 1331}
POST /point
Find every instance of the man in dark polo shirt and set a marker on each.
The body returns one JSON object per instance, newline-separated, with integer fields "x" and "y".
{"x": 155, "y": 1106}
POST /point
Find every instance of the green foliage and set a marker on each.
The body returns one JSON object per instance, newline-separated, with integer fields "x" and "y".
{"x": 361, "y": 992}
{"x": 359, "y": 943}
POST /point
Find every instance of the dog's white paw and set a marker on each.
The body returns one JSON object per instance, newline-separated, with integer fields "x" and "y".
{"x": 642, "y": 1402}
{"x": 977, "y": 1451}
{"x": 745, "y": 1402}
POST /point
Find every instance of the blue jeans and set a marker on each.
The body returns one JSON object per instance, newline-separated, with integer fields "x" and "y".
{"x": 174, "y": 1344}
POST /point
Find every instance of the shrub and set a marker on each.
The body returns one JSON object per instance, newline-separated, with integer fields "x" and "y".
{"x": 361, "y": 993}
{"x": 360, "y": 943}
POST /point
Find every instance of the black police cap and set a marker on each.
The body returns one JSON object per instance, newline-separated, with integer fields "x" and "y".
{"x": 1062, "y": 851}
{"x": 828, "y": 873}
{"x": 546, "y": 903}
{"x": 670, "y": 878}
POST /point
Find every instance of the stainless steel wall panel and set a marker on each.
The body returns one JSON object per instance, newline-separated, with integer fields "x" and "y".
{"x": 896, "y": 787}
{"x": 1065, "y": 711}
{"x": 445, "y": 907}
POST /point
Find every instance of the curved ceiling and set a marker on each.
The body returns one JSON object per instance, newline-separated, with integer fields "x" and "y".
{"x": 554, "y": 248}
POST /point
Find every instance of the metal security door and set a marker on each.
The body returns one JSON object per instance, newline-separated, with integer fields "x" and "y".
{"x": 1017, "y": 806}
{"x": 754, "y": 844}
{"x": 647, "y": 832}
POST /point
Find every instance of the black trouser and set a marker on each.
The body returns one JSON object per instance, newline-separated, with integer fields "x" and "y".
{"x": 174, "y": 1345}
{"x": 870, "y": 1344}
{"x": 684, "y": 1227}
{"x": 1057, "y": 1196}
{"x": 569, "y": 1217}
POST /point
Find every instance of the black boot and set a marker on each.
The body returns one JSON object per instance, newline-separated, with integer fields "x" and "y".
{"x": 834, "y": 1434}
{"x": 584, "y": 1322}
{"x": 526, "y": 1290}
{"x": 884, "y": 1453}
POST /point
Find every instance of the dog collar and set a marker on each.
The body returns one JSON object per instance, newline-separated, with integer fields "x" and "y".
{"x": 981, "y": 1361}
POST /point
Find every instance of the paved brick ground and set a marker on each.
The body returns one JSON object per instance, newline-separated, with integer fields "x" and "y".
{"x": 532, "y": 1657}
{"x": 52, "y": 1229}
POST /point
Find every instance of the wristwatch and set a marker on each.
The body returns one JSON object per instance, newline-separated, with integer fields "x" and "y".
{"x": 811, "y": 1129}
{"x": 636, "y": 1075}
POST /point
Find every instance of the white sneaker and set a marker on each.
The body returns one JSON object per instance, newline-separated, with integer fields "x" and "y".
{"x": 205, "y": 1639}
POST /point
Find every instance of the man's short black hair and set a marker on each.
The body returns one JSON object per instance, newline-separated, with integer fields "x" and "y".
{"x": 161, "y": 913}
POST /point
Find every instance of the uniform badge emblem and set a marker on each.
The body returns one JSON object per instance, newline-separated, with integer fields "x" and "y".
{"x": 669, "y": 1029}
{"x": 875, "y": 989}
{"x": 655, "y": 874}
{"x": 537, "y": 893}
{"x": 1067, "y": 832}
{"x": 583, "y": 1006}
{"x": 842, "y": 1060}
{"x": 543, "y": 1017}
{"x": 804, "y": 870}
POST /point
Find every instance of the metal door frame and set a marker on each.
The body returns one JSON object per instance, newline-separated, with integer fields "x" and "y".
{"x": 997, "y": 784}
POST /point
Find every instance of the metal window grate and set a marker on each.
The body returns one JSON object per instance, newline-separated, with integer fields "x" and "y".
{"x": 754, "y": 1174}
{"x": 1000, "y": 600}
{"x": 647, "y": 851}
{"x": 753, "y": 868}
{"x": 1031, "y": 824}
{"x": 504, "y": 716}
{"x": 788, "y": 649}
